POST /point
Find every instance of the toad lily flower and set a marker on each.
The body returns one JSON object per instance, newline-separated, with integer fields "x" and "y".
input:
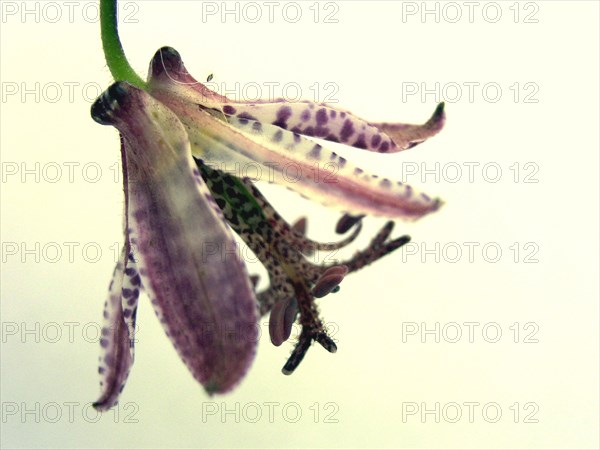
{"x": 179, "y": 210}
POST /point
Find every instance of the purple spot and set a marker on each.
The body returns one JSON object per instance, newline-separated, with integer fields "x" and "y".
{"x": 360, "y": 142}
{"x": 309, "y": 131}
{"x": 105, "y": 331}
{"x": 341, "y": 162}
{"x": 384, "y": 147}
{"x": 134, "y": 297}
{"x": 296, "y": 129}
{"x": 332, "y": 138}
{"x": 126, "y": 313}
{"x": 278, "y": 136}
{"x": 283, "y": 114}
{"x": 347, "y": 131}
{"x": 297, "y": 138}
{"x": 245, "y": 115}
{"x": 332, "y": 114}
{"x": 321, "y": 131}
{"x": 375, "y": 140}
{"x": 257, "y": 126}
{"x": 228, "y": 109}
{"x": 358, "y": 171}
{"x": 305, "y": 115}
{"x": 342, "y": 114}
{"x": 103, "y": 343}
{"x": 101, "y": 370}
{"x": 322, "y": 116}
{"x": 426, "y": 197}
{"x": 126, "y": 292}
{"x": 315, "y": 153}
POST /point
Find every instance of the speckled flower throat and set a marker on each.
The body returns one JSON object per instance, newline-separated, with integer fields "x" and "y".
{"x": 175, "y": 133}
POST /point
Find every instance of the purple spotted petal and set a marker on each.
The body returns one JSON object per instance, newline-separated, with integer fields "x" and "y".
{"x": 307, "y": 118}
{"x": 303, "y": 166}
{"x": 166, "y": 68}
{"x": 289, "y": 158}
{"x": 195, "y": 279}
{"x": 325, "y": 122}
{"x": 115, "y": 356}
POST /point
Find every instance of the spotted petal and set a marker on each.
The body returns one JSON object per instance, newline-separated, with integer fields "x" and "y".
{"x": 287, "y": 157}
{"x": 198, "y": 286}
{"x": 305, "y": 117}
{"x": 116, "y": 357}
{"x": 301, "y": 165}
{"x": 332, "y": 124}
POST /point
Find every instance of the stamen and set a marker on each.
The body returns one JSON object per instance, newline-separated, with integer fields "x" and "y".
{"x": 281, "y": 320}
{"x": 346, "y": 222}
{"x": 332, "y": 277}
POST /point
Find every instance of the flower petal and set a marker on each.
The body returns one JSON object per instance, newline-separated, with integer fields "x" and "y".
{"x": 301, "y": 165}
{"x": 316, "y": 172}
{"x": 166, "y": 68}
{"x": 115, "y": 356}
{"x": 305, "y": 117}
{"x": 199, "y": 287}
{"x": 323, "y": 121}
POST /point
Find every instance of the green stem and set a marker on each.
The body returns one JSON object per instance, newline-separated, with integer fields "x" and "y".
{"x": 116, "y": 60}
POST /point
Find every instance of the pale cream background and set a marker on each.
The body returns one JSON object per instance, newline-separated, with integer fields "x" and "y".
{"x": 369, "y": 53}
